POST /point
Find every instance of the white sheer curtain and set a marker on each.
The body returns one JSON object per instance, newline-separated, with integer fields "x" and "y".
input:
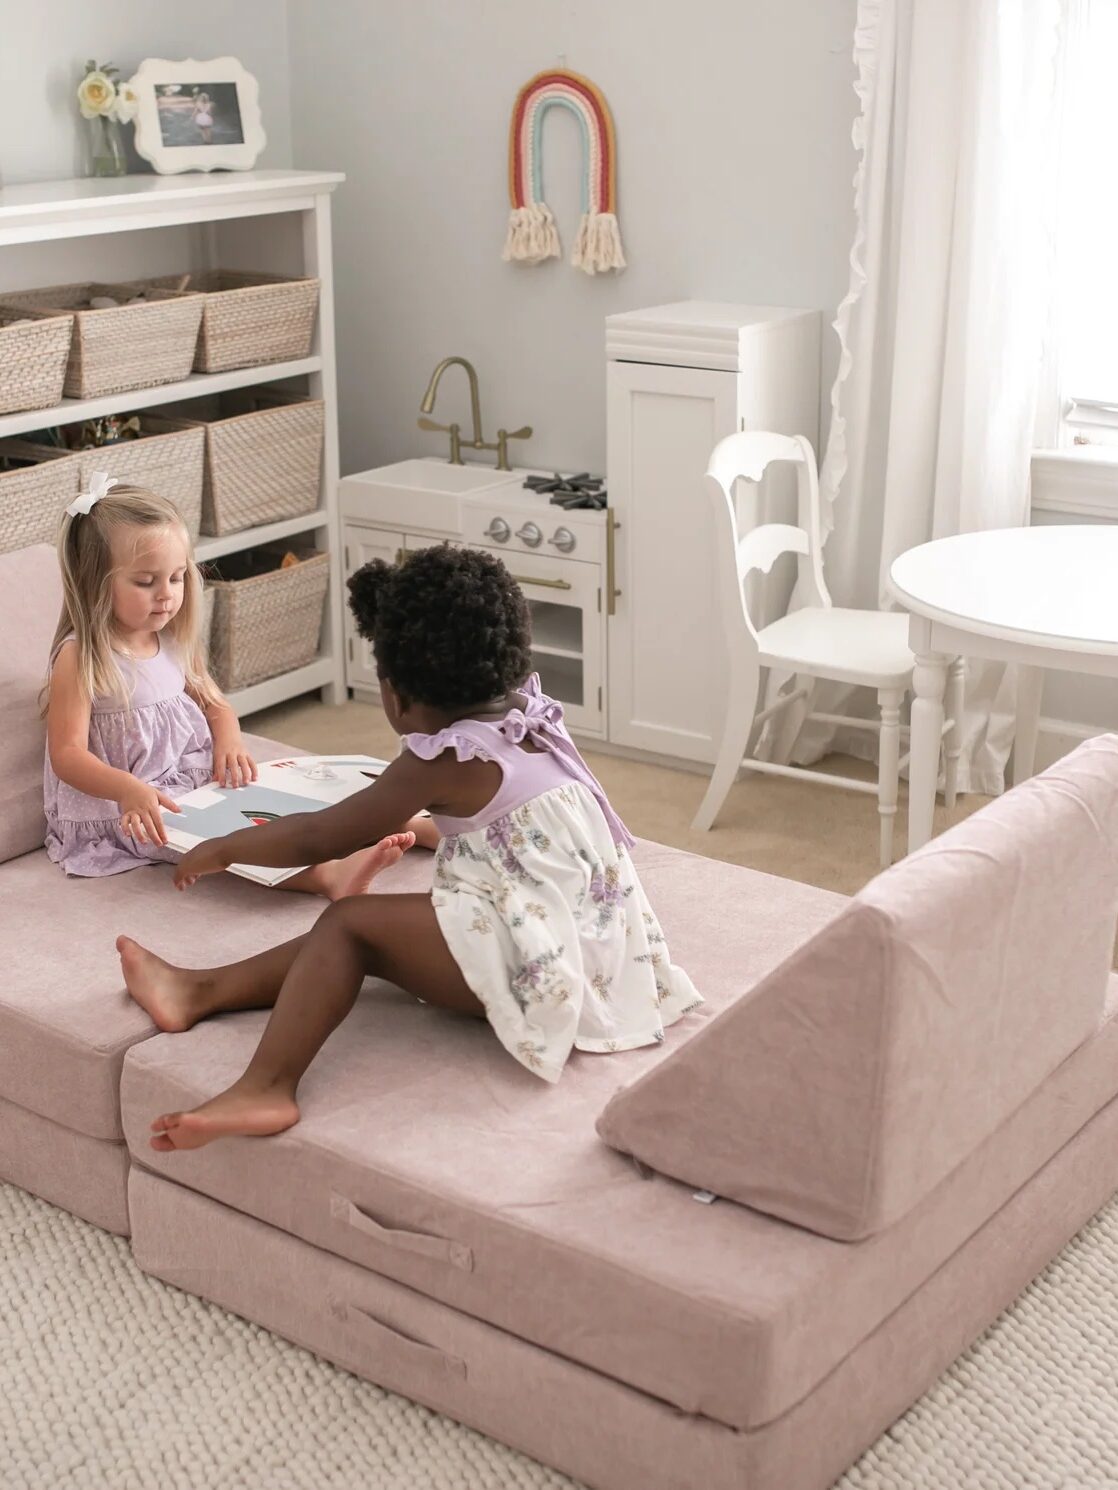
{"x": 942, "y": 329}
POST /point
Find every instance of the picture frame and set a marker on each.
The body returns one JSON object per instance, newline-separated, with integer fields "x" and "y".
{"x": 197, "y": 115}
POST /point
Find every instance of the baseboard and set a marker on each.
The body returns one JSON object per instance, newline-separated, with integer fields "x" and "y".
{"x": 1056, "y": 737}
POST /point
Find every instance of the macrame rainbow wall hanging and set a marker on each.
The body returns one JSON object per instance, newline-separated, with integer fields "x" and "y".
{"x": 532, "y": 234}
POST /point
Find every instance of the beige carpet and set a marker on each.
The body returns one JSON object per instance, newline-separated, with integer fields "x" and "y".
{"x": 112, "y": 1381}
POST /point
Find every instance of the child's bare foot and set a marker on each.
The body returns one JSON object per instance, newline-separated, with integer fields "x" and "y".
{"x": 243, "y": 1110}
{"x": 354, "y": 875}
{"x": 171, "y": 995}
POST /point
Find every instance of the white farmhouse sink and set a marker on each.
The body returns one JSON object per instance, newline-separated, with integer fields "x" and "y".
{"x": 421, "y": 493}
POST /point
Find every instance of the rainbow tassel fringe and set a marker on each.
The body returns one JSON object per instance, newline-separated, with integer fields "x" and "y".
{"x": 532, "y": 234}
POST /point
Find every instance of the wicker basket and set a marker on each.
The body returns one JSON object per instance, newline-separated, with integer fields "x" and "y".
{"x": 122, "y": 347}
{"x": 207, "y": 620}
{"x": 263, "y": 457}
{"x": 249, "y": 319}
{"x": 34, "y": 497}
{"x": 33, "y": 354}
{"x": 168, "y": 458}
{"x": 267, "y": 620}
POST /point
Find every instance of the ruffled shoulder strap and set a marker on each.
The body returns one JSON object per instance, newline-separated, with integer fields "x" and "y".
{"x": 468, "y": 738}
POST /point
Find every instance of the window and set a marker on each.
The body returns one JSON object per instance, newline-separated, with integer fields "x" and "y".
{"x": 1084, "y": 376}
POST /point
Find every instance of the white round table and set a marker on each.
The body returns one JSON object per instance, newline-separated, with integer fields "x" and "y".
{"x": 1037, "y": 597}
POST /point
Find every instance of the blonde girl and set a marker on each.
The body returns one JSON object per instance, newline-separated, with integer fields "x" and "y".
{"x": 203, "y": 116}
{"x": 133, "y": 717}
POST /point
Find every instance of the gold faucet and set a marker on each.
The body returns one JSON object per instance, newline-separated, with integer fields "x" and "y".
{"x": 455, "y": 430}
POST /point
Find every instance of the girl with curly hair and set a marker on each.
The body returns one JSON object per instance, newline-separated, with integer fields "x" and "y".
{"x": 537, "y": 920}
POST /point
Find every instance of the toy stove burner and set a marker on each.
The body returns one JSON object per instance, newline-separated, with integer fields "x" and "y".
{"x": 569, "y": 492}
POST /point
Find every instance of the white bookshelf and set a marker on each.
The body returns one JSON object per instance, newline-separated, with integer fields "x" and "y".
{"x": 54, "y": 212}
{"x": 232, "y": 543}
{"x": 73, "y": 410}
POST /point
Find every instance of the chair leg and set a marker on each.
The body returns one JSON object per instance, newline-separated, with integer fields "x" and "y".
{"x": 888, "y": 767}
{"x": 791, "y": 721}
{"x": 741, "y": 706}
{"x": 756, "y": 730}
{"x": 953, "y": 743}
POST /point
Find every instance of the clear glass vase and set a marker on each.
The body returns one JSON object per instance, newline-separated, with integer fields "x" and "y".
{"x": 107, "y": 147}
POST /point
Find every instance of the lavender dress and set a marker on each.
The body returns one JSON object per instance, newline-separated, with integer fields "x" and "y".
{"x": 161, "y": 737}
{"x": 539, "y": 901}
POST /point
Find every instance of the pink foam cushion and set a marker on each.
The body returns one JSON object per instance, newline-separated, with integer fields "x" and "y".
{"x": 87, "y": 1176}
{"x": 65, "y": 1017}
{"x": 876, "y": 1058}
{"x": 30, "y": 601}
{"x": 586, "y": 1422}
{"x": 426, "y": 1153}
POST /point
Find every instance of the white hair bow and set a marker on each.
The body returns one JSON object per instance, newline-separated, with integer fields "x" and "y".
{"x": 100, "y": 483}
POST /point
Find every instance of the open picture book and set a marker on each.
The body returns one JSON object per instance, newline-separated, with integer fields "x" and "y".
{"x": 301, "y": 784}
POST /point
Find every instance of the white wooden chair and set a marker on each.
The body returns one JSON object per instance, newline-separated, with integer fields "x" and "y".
{"x": 821, "y": 640}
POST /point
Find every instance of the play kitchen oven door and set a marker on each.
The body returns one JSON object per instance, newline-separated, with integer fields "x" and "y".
{"x": 567, "y": 624}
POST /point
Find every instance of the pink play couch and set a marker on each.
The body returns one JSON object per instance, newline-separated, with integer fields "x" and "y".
{"x": 905, "y": 1104}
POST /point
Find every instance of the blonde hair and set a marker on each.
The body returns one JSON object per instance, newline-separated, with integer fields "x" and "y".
{"x": 85, "y": 557}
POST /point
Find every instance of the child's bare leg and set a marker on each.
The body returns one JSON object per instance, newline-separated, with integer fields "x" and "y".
{"x": 426, "y": 834}
{"x": 396, "y": 937}
{"x": 178, "y": 997}
{"x": 353, "y": 875}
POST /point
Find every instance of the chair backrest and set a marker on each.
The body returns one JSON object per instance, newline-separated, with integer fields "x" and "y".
{"x": 746, "y": 457}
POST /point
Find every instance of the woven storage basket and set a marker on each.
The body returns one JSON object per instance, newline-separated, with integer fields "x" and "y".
{"x": 33, "y": 498}
{"x": 263, "y": 457}
{"x": 168, "y": 458}
{"x": 249, "y": 319}
{"x": 122, "y": 347}
{"x": 207, "y": 620}
{"x": 33, "y": 356}
{"x": 267, "y": 620}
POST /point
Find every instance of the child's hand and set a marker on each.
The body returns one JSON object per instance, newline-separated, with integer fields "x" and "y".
{"x": 140, "y": 817}
{"x": 233, "y": 766}
{"x": 206, "y": 858}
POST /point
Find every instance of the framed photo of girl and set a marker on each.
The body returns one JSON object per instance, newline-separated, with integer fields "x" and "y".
{"x": 197, "y": 116}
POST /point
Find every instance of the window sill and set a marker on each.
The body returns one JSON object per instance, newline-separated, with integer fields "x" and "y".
{"x": 1080, "y": 482}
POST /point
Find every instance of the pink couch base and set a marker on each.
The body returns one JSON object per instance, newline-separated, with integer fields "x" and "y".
{"x": 88, "y": 1176}
{"x": 739, "y": 1316}
{"x": 581, "y": 1422}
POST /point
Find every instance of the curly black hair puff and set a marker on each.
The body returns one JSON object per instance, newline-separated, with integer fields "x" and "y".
{"x": 450, "y": 627}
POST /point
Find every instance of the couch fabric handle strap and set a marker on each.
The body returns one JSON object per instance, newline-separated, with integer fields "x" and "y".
{"x": 394, "y": 1349}
{"x": 436, "y": 1248}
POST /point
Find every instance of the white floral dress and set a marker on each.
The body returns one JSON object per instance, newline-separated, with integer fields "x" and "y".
{"x": 539, "y": 900}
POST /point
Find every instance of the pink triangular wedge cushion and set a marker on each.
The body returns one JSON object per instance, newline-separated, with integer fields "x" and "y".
{"x": 30, "y": 601}
{"x": 863, "y": 1070}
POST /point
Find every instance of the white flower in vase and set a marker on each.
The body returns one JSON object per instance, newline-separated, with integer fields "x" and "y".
{"x": 127, "y": 102}
{"x": 96, "y": 94}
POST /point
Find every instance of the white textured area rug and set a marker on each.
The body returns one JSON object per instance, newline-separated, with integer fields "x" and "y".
{"x": 110, "y": 1380}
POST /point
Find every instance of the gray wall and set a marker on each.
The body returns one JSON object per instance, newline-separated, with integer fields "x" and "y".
{"x": 44, "y": 45}
{"x": 735, "y": 168}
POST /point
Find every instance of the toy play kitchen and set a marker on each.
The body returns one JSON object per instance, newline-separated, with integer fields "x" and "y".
{"x": 616, "y": 568}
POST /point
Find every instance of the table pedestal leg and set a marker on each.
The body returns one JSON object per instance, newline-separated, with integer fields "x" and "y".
{"x": 1030, "y": 682}
{"x": 953, "y": 740}
{"x": 929, "y": 679}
